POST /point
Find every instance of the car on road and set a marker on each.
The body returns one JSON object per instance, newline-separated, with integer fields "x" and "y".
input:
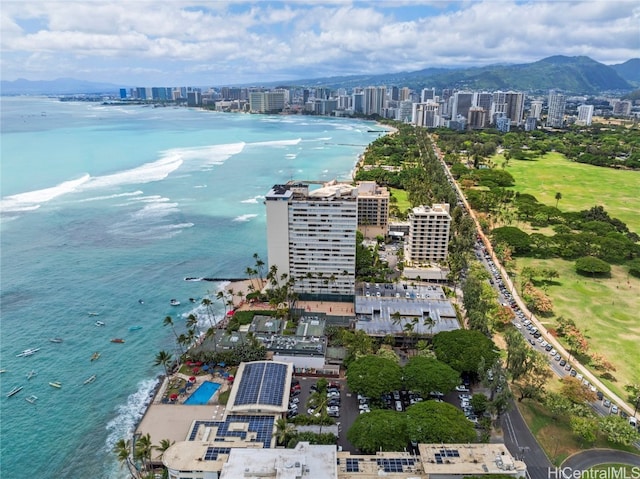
{"x": 599, "y": 395}
{"x": 533, "y": 342}
{"x": 563, "y": 362}
{"x": 614, "y": 409}
{"x": 567, "y": 367}
{"x": 573, "y": 373}
{"x": 557, "y": 357}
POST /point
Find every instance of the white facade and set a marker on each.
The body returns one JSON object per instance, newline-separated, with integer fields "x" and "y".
{"x": 311, "y": 236}
{"x": 585, "y": 114}
{"x": 428, "y": 234}
{"x": 555, "y": 115}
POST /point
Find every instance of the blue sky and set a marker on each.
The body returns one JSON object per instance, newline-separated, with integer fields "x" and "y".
{"x": 184, "y": 42}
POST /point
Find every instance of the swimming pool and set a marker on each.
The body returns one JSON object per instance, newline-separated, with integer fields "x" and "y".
{"x": 202, "y": 395}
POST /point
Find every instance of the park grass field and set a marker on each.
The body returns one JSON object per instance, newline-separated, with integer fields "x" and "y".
{"x": 402, "y": 198}
{"x": 604, "y": 309}
{"x": 582, "y": 186}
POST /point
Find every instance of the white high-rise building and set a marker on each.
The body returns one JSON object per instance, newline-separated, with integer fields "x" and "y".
{"x": 555, "y": 114}
{"x": 311, "y": 237}
{"x": 374, "y": 100}
{"x": 428, "y": 234}
{"x": 536, "y": 109}
{"x": 585, "y": 114}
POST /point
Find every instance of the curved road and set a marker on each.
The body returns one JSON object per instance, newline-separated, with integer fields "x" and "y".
{"x": 593, "y": 457}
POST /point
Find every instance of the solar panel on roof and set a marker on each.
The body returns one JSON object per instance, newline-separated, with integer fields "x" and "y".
{"x": 262, "y": 383}
{"x": 262, "y": 426}
{"x": 212, "y": 453}
{"x": 395, "y": 465}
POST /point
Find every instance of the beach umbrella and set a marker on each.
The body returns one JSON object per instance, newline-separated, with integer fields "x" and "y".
{"x": 192, "y": 379}
{"x": 205, "y": 367}
{"x": 199, "y": 363}
{"x": 173, "y": 397}
{"x": 230, "y": 378}
{"x": 231, "y": 313}
{"x": 183, "y": 390}
{"x": 196, "y": 370}
{"x": 222, "y": 364}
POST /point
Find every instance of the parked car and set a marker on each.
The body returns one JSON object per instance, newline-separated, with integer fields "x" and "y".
{"x": 563, "y": 362}
{"x": 398, "y": 406}
{"x": 606, "y": 403}
{"x": 599, "y": 395}
{"x": 614, "y": 409}
{"x": 462, "y": 389}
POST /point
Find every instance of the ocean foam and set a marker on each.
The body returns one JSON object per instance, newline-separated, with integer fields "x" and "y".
{"x": 254, "y": 200}
{"x": 109, "y": 197}
{"x": 201, "y": 157}
{"x": 33, "y": 199}
{"x": 291, "y": 156}
{"x": 129, "y": 414}
{"x": 244, "y": 218}
{"x": 277, "y": 143}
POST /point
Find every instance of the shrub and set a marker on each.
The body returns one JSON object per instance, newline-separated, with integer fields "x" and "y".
{"x": 592, "y": 266}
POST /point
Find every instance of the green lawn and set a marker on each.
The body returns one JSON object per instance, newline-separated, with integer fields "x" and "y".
{"x": 402, "y": 199}
{"x": 582, "y": 186}
{"x": 605, "y": 310}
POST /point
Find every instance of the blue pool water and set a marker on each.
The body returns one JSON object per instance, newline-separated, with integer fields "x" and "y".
{"x": 202, "y": 395}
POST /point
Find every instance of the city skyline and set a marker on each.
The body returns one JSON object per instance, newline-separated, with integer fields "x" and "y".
{"x": 184, "y": 42}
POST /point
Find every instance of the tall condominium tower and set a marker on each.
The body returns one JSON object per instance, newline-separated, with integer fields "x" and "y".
{"x": 585, "y": 113}
{"x": 428, "y": 234}
{"x": 311, "y": 237}
{"x": 515, "y": 107}
{"x": 374, "y": 100}
{"x": 373, "y": 209}
{"x": 555, "y": 114}
{"x": 536, "y": 109}
{"x": 462, "y": 101}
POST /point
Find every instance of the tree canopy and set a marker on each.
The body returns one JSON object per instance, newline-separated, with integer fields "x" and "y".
{"x": 424, "y": 374}
{"x": 592, "y": 266}
{"x": 464, "y": 349}
{"x": 379, "y": 429}
{"x": 433, "y": 422}
{"x": 374, "y": 375}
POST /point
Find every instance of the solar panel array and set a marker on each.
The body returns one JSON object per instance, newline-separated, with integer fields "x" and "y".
{"x": 395, "y": 465}
{"x": 262, "y": 426}
{"x": 353, "y": 465}
{"x": 212, "y": 453}
{"x": 262, "y": 383}
{"x": 446, "y": 453}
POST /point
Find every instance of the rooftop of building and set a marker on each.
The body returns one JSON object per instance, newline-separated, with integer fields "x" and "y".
{"x": 261, "y": 387}
{"x": 436, "y": 208}
{"x": 303, "y": 461}
{"x": 469, "y": 459}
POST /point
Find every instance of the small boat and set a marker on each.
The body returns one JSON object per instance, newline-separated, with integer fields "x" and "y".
{"x": 3, "y": 371}
{"x": 93, "y": 313}
{"x": 134, "y": 328}
{"x": 90, "y": 379}
{"x": 95, "y": 356}
{"x": 117, "y": 340}
{"x": 141, "y": 301}
{"x": 27, "y": 352}
{"x": 14, "y": 391}
{"x": 193, "y": 300}
{"x": 56, "y": 340}
{"x": 31, "y": 374}
{"x": 99, "y": 323}
{"x": 55, "y": 384}
{"x": 174, "y": 302}
{"x": 32, "y": 399}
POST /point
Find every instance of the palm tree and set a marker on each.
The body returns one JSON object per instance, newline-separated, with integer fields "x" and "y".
{"x": 122, "y": 449}
{"x": 284, "y": 430}
{"x": 163, "y": 358}
{"x": 164, "y": 445}
{"x": 192, "y": 321}
{"x": 558, "y": 198}
{"x": 206, "y": 302}
{"x": 143, "y": 450}
{"x": 168, "y": 321}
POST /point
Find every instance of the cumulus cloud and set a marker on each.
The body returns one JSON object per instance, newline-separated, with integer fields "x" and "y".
{"x": 237, "y": 42}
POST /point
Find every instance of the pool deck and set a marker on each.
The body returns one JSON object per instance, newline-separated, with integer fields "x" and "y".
{"x": 173, "y": 421}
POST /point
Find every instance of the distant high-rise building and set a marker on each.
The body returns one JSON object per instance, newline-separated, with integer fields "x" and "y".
{"x": 404, "y": 94}
{"x": 477, "y": 118}
{"x": 556, "y": 107}
{"x": 311, "y": 237}
{"x": 404, "y": 112}
{"x": 395, "y": 93}
{"x": 503, "y": 123}
{"x": 266, "y": 101}
{"x": 462, "y": 101}
{"x": 194, "y": 98}
{"x": 622, "y": 108}
{"x": 427, "y": 94}
{"x": 123, "y": 93}
{"x": 515, "y": 107}
{"x": 530, "y": 123}
{"x": 536, "y": 109}
{"x": 426, "y": 114}
{"x": 428, "y": 234}
{"x": 357, "y": 102}
{"x": 374, "y": 100}
{"x": 585, "y": 114}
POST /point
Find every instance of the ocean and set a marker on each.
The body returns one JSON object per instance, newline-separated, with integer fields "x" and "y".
{"x": 105, "y": 210}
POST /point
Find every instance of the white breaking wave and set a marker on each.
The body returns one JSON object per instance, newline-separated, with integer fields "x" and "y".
{"x": 200, "y": 186}
{"x": 291, "y": 156}
{"x": 33, "y": 199}
{"x": 202, "y": 157}
{"x": 128, "y": 415}
{"x": 277, "y": 143}
{"x": 109, "y": 197}
{"x": 253, "y": 200}
{"x": 244, "y": 218}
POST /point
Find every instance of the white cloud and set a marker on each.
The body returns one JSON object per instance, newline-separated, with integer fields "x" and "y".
{"x": 241, "y": 42}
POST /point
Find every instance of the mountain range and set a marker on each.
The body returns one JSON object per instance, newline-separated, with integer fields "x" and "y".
{"x": 578, "y": 75}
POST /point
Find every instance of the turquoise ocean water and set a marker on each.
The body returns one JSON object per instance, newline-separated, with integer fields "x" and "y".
{"x": 103, "y": 206}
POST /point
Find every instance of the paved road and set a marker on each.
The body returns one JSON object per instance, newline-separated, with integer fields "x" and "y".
{"x": 586, "y": 459}
{"x": 523, "y": 445}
